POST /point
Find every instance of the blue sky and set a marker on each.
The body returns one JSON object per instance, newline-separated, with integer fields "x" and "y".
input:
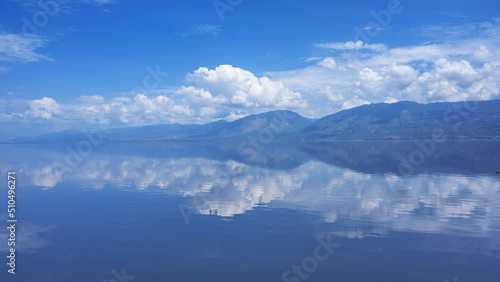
{"x": 75, "y": 64}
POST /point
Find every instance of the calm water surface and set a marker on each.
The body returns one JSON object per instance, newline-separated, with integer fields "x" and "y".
{"x": 346, "y": 211}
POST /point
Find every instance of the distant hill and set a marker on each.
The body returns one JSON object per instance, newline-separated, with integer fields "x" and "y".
{"x": 398, "y": 121}
{"x": 409, "y": 120}
{"x": 160, "y": 132}
{"x": 265, "y": 126}
{"x": 57, "y": 137}
{"x": 260, "y": 126}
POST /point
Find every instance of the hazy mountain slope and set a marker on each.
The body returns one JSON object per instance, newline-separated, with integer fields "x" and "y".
{"x": 57, "y": 137}
{"x": 409, "y": 120}
{"x": 160, "y": 132}
{"x": 403, "y": 120}
{"x": 266, "y": 126}
{"x": 269, "y": 126}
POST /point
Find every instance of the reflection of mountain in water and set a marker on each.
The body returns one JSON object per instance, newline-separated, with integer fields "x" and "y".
{"x": 465, "y": 157}
{"x": 338, "y": 182}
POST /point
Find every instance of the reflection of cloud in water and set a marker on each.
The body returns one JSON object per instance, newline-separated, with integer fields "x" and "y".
{"x": 421, "y": 203}
{"x": 46, "y": 176}
{"x": 28, "y": 237}
{"x": 244, "y": 192}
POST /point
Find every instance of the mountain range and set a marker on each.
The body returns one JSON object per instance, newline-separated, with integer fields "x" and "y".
{"x": 397, "y": 121}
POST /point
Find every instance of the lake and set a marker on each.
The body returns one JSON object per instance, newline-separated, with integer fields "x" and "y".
{"x": 341, "y": 211}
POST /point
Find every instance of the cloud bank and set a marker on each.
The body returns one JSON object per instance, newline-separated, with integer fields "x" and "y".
{"x": 457, "y": 68}
{"x": 225, "y": 92}
{"x": 452, "y": 68}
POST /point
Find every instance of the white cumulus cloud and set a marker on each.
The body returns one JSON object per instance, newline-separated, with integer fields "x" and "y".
{"x": 44, "y": 108}
{"x": 243, "y": 89}
{"x": 457, "y": 69}
{"x": 328, "y": 63}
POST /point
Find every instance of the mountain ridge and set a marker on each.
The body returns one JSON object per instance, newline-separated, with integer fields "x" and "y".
{"x": 404, "y": 120}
